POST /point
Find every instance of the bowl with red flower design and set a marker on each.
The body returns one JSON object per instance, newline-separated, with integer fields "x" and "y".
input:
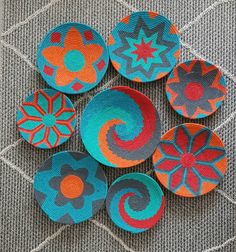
{"x": 190, "y": 160}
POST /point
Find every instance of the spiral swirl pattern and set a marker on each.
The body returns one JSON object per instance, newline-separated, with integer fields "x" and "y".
{"x": 135, "y": 202}
{"x": 120, "y": 127}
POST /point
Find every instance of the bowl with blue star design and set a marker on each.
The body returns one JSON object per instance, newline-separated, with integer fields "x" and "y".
{"x": 144, "y": 46}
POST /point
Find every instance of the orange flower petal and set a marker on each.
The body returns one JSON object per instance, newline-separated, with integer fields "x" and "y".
{"x": 73, "y": 40}
{"x": 87, "y": 74}
{"x": 54, "y": 55}
{"x": 91, "y": 52}
{"x": 64, "y": 77}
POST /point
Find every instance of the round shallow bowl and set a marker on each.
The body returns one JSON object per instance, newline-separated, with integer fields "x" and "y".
{"x": 195, "y": 89}
{"x": 190, "y": 160}
{"x": 144, "y": 46}
{"x": 46, "y": 119}
{"x": 120, "y": 127}
{"x": 135, "y": 202}
{"x": 70, "y": 187}
{"x": 72, "y": 58}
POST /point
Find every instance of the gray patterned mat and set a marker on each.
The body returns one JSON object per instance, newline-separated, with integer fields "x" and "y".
{"x": 208, "y": 31}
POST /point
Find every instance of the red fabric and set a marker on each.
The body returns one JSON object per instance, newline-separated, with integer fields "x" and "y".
{"x": 209, "y": 155}
{"x": 48, "y": 70}
{"x": 168, "y": 164}
{"x": 55, "y": 37}
{"x": 77, "y": 86}
{"x": 101, "y": 64}
{"x": 199, "y": 141}
{"x": 192, "y": 180}
{"x": 194, "y": 91}
{"x": 169, "y": 149}
{"x": 176, "y": 178}
{"x": 88, "y": 35}
{"x": 182, "y": 139}
{"x": 144, "y": 51}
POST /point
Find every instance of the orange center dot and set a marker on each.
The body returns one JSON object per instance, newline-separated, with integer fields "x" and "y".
{"x": 72, "y": 186}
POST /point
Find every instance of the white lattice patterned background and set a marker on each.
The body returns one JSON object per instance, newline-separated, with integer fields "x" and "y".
{"x": 29, "y": 60}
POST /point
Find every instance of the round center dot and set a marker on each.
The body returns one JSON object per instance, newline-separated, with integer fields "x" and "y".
{"x": 187, "y": 160}
{"x": 193, "y": 91}
{"x": 74, "y": 60}
{"x": 72, "y": 186}
{"x": 49, "y": 120}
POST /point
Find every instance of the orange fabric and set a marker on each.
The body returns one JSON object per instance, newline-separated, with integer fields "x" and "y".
{"x": 152, "y": 14}
{"x": 222, "y": 165}
{"x": 173, "y": 29}
{"x": 125, "y": 19}
{"x": 193, "y": 128}
{"x": 184, "y": 191}
{"x": 111, "y": 40}
{"x": 116, "y": 65}
{"x": 72, "y": 186}
{"x": 157, "y": 155}
{"x": 137, "y": 79}
{"x": 207, "y": 187}
{"x": 160, "y": 75}
{"x": 177, "y": 54}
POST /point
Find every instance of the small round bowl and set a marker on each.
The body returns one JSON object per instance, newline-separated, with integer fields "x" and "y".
{"x": 120, "y": 127}
{"x": 46, "y": 119}
{"x": 135, "y": 202}
{"x": 70, "y": 187}
{"x": 144, "y": 46}
{"x": 190, "y": 160}
{"x": 72, "y": 58}
{"x": 195, "y": 89}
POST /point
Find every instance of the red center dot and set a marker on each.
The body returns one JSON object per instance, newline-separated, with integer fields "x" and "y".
{"x": 193, "y": 91}
{"x": 187, "y": 160}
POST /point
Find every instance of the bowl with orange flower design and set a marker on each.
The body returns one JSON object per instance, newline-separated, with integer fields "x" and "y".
{"x": 72, "y": 58}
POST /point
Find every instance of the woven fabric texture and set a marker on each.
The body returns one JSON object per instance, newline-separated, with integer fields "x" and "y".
{"x": 208, "y": 31}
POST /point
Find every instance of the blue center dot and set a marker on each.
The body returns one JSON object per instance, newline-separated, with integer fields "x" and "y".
{"x": 74, "y": 60}
{"x": 49, "y": 120}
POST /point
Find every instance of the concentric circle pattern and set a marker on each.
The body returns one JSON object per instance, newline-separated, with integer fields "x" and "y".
{"x": 46, "y": 118}
{"x": 190, "y": 160}
{"x": 196, "y": 89}
{"x": 120, "y": 127}
{"x": 144, "y": 46}
{"x": 135, "y": 202}
{"x": 72, "y": 58}
{"x": 70, "y": 187}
